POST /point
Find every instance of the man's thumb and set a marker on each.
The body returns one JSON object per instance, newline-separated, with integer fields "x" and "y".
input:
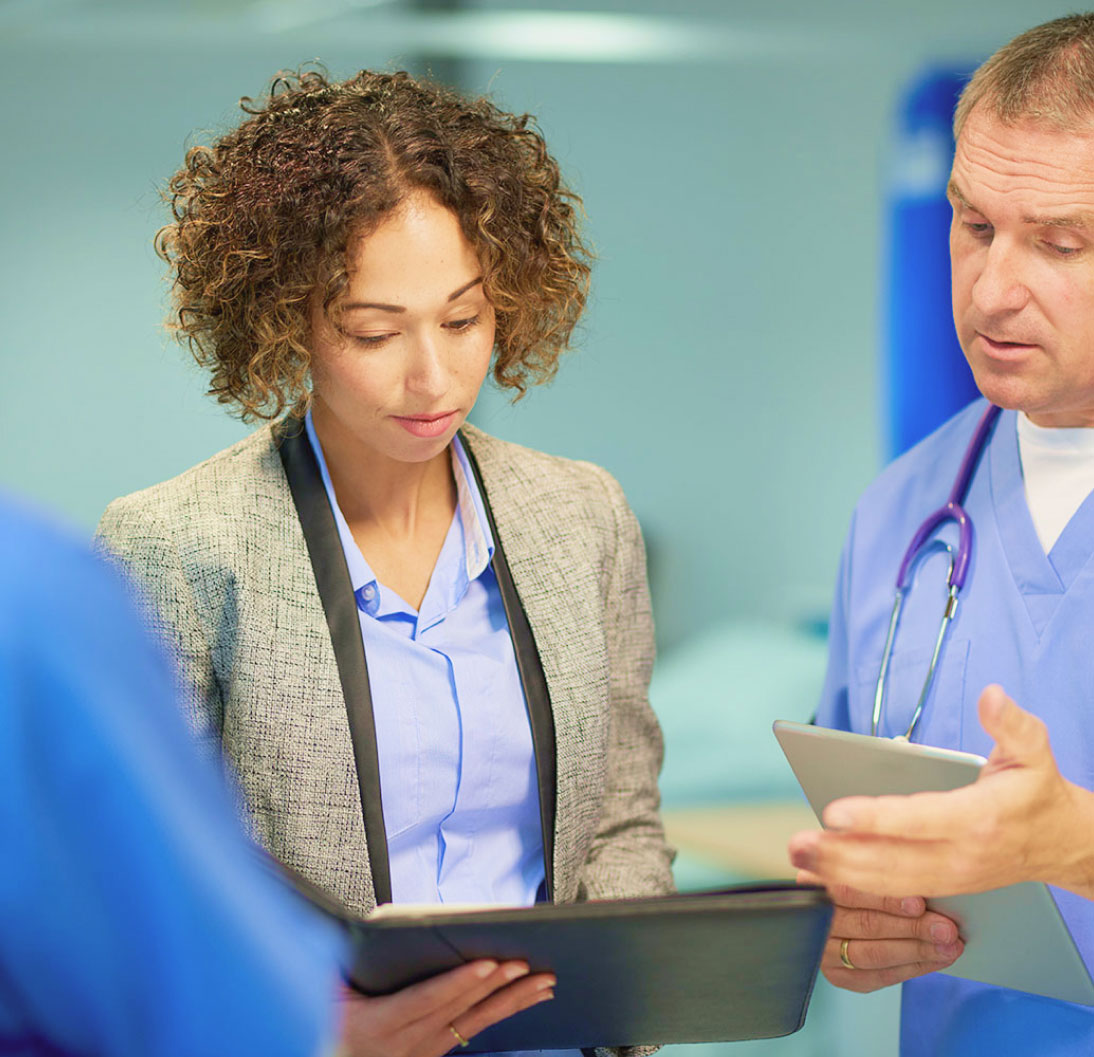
{"x": 1019, "y": 736}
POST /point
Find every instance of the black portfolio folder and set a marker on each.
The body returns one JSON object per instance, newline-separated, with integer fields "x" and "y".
{"x": 738, "y": 963}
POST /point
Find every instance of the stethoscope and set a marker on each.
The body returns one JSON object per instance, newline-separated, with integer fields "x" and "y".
{"x": 923, "y": 544}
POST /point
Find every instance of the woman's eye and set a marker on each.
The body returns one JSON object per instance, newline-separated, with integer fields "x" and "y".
{"x": 369, "y": 341}
{"x": 462, "y": 324}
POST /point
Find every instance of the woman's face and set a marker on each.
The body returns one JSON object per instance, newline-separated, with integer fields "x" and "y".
{"x": 403, "y": 371}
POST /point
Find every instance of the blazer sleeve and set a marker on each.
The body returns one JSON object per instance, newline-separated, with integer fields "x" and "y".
{"x": 138, "y": 538}
{"x": 628, "y": 854}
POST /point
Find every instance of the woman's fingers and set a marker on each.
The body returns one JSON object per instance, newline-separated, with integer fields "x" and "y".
{"x": 522, "y": 994}
{"x": 458, "y": 989}
{"x": 417, "y": 1021}
{"x": 505, "y": 975}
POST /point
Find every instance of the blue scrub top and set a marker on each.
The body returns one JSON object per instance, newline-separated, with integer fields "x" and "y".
{"x": 134, "y": 918}
{"x": 1025, "y": 620}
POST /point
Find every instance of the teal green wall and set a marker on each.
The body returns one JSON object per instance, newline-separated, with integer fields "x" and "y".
{"x": 727, "y": 369}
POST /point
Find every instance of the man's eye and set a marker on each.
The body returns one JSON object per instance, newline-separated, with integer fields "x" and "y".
{"x": 1061, "y": 250}
{"x": 978, "y": 230}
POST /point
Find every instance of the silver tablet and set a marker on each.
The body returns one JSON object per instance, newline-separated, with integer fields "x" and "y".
{"x": 1014, "y": 937}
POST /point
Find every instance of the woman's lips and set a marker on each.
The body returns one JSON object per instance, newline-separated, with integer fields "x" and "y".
{"x": 426, "y": 425}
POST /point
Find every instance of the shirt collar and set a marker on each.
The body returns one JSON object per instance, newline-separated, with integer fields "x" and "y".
{"x": 363, "y": 580}
{"x": 478, "y": 540}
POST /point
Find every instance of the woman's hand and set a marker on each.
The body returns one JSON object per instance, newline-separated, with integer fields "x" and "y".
{"x": 431, "y": 1018}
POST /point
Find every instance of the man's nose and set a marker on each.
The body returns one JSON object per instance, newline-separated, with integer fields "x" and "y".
{"x": 1000, "y": 287}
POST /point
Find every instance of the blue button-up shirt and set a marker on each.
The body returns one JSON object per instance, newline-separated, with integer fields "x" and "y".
{"x": 457, "y": 768}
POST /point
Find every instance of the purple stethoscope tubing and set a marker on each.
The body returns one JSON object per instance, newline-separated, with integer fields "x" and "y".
{"x": 923, "y": 543}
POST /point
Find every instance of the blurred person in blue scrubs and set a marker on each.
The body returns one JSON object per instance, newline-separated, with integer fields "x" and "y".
{"x": 1022, "y": 252}
{"x": 135, "y": 920}
{"x": 135, "y": 917}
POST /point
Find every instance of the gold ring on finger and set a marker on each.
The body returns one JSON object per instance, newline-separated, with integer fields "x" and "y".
{"x": 459, "y": 1038}
{"x": 844, "y": 957}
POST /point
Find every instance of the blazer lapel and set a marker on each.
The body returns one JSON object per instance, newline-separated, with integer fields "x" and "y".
{"x": 532, "y": 680}
{"x": 554, "y": 641}
{"x": 336, "y": 594}
{"x": 566, "y": 632}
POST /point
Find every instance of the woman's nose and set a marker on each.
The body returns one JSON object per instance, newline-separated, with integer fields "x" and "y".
{"x": 426, "y": 372}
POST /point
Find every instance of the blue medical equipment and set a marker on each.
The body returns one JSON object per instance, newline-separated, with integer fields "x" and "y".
{"x": 926, "y": 377}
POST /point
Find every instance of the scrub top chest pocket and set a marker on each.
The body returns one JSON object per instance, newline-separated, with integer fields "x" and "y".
{"x": 927, "y": 543}
{"x": 940, "y": 723}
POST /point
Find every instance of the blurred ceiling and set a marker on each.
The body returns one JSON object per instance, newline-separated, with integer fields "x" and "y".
{"x": 617, "y": 31}
{"x": 536, "y": 30}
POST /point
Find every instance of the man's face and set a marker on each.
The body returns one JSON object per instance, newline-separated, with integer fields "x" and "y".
{"x": 1022, "y": 250}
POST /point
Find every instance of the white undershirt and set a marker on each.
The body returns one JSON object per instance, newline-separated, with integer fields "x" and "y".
{"x": 1058, "y": 470}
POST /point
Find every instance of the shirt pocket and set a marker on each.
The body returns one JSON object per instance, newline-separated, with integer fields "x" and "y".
{"x": 940, "y": 721}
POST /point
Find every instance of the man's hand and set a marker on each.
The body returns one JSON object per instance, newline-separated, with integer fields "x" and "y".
{"x": 1019, "y": 821}
{"x": 887, "y": 940}
{"x": 431, "y": 1018}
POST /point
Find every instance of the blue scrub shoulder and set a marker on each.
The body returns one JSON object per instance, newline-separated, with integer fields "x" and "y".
{"x": 39, "y": 552}
{"x": 921, "y": 478}
{"x": 129, "y": 886}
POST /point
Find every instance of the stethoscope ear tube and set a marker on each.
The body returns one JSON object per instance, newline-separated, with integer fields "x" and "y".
{"x": 923, "y": 544}
{"x": 894, "y": 621}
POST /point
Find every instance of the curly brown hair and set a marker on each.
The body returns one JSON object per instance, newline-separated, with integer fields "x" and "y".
{"x": 264, "y": 216}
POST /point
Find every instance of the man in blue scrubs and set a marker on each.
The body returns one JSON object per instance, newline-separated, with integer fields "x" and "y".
{"x": 134, "y": 919}
{"x": 1022, "y": 251}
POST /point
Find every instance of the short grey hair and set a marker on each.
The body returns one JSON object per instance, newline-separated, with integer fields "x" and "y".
{"x": 1045, "y": 74}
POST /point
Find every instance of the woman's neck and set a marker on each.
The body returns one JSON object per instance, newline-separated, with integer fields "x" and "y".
{"x": 378, "y": 493}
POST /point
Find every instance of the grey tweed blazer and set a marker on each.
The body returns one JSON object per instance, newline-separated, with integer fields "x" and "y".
{"x": 223, "y": 564}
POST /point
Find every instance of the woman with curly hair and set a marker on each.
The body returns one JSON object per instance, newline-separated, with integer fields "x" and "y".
{"x": 425, "y": 651}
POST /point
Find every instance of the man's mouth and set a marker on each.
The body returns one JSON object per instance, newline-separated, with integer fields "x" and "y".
{"x": 1003, "y": 347}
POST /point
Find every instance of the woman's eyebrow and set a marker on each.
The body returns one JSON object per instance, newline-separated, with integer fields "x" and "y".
{"x": 373, "y": 304}
{"x": 463, "y": 289}
{"x": 402, "y": 308}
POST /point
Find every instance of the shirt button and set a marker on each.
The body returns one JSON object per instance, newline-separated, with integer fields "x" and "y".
{"x": 369, "y": 591}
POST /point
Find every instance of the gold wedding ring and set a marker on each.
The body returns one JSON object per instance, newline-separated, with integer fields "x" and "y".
{"x": 845, "y": 957}
{"x": 459, "y": 1038}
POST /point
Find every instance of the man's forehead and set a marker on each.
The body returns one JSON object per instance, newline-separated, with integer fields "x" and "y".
{"x": 1023, "y": 159}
